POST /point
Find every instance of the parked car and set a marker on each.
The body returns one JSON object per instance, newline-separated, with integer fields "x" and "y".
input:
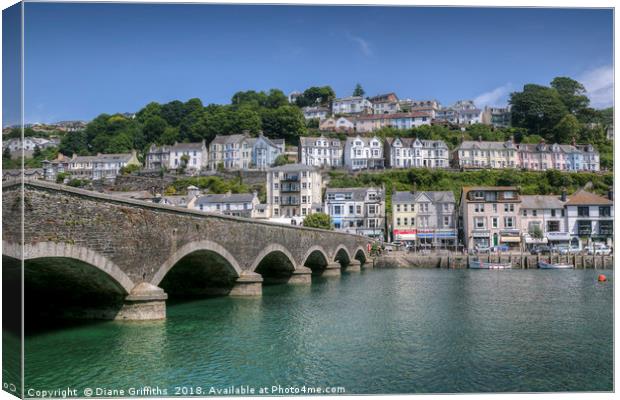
{"x": 565, "y": 249}
{"x": 482, "y": 249}
{"x": 598, "y": 249}
{"x": 542, "y": 249}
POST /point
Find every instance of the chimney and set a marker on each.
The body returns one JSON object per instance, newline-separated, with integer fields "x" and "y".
{"x": 574, "y": 141}
{"x": 610, "y": 194}
{"x": 512, "y": 138}
{"x": 228, "y": 193}
{"x": 563, "y": 196}
{"x": 480, "y": 138}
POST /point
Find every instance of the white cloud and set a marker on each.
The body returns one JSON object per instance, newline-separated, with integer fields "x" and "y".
{"x": 363, "y": 44}
{"x": 599, "y": 84}
{"x": 495, "y": 97}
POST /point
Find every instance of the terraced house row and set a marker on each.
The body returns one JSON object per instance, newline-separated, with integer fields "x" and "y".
{"x": 360, "y": 152}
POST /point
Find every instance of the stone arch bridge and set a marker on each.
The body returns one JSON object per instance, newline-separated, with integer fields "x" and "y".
{"x": 94, "y": 255}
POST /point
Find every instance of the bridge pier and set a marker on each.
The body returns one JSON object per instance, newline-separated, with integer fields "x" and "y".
{"x": 354, "y": 266}
{"x": 332, "y": 269}
{"x": 301, "y": 275}
{"x": 248, "y": 284}
{"x": 144, "y": 302}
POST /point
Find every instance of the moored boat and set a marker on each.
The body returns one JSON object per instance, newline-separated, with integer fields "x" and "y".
{"x": 546, "y": 265}
{"x": 477, "y": 264}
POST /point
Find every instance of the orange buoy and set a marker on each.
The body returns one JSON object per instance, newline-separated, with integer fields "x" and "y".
{"x": 602, "y": 278}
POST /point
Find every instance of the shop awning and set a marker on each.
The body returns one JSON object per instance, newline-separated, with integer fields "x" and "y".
{"x": 531, "y": 240}
{"x": 510, "y": 239}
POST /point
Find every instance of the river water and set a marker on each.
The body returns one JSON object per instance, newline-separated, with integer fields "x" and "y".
{"x": 378, "y": 331}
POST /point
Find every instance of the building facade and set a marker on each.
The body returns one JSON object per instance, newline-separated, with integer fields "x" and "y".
{"x": 411, "y": 153}
{"x": 358, "y": 211}
{"x": 193, "y": 155}
{"x": 351, "y": 105}
{"x": 590, "y": 218}
{"x": 293, "y": 190}
{"x": 543, "y": 220}
{"x": 371, "y": 123}
{"x": 315, "y": 112}
{"x": 490, "y": 217}
{"x": 424, "y": 219}
{"x": 363, "y": 153}
{"x": 263, "y": 152}
{"x": 320, "y": 151}
{"x": 482, "y": 154}
{"x": 385, "y": 104}
{"x": 340, "y": 124}
{"x": 234, "y": 204}
{"x": 230, "y": 152}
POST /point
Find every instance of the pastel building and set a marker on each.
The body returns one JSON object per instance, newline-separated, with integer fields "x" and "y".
{"x": 543, "y": 220}
{"x": 424, "y": 218}
{"x": 351, "y": 105}
{"x": 483, "y": 154}
{"x": 590, "y": 218}
{"x": 490, "y": 217}
{"x": 363, "y": 153}
{"x": 358, "y": 211}
{"x": 340, "y": 124}
{"x": 230, "y": 152}
{"x": 234, "y": 204}
{"x": 385, "y": 104}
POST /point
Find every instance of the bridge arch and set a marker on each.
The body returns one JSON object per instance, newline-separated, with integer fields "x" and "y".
{"x": 360, "y": 254}
{"x": 316, "y": 258}
{"x": 192, "y": 247}
{"x": 69, "y": 251}
{"x": 342, "y": 255}
{"x": 275, "y": 263}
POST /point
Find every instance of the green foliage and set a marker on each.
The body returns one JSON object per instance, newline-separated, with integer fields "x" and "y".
{"x": 281, "y": 160}
{"x": 538, "y": 109}
{"x": 536, "y": 232}
{"x": 77, "y": 182}
{"x": 284, "y": 122}
{"x": 572, "y": 94}
{"x": 567, "y": 129}
{"x": 358, "y": 91}
{"x": 6, "y": 154}
{"x": 61, "y": 176}
{"x": 128, "y": 169}
{"x": 318, "y": 220}
{"x": 316, "y": 95}
{"x": 214, "y": 184}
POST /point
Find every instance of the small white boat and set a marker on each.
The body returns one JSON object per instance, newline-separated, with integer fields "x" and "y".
{"x": 546, "y": 265}
{"x": 477, "y": 264}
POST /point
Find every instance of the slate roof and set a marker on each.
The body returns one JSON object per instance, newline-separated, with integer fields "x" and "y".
{"x": 293, "y": 168}
{"x": 228, "y": 139}
{"x": 358, "y": 194}
{"x": 476, "y": 144}
{"x": 541, "y": 202}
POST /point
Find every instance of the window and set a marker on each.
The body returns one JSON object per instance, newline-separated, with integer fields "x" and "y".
{"x": 509, "y": 222}
{"x": 604, "y": 211}
{"x": 495, "y": 207}
{"x": 372, "y": 209}
{"x": 494, "y": 221}
{"x": 446, "y": 221}
{"x": 398, "y": 207}
{"x": 583, "y": 211}
{"x": 337, "y": 209}
{"x": 405, "y": 221}
{"x": 275, "y": 186}
{"x": 534, "y": 212}
{"x": 509, "y": 207}
{"x": 553, "y": 226}
{"x": 351, "y": 209}
{"x": 479, "y": 207}
{"x": 479, "y": 223}
{"x": 359, "y": 209}
{"x": 553, "y": 212}
{"x": 398, "y": 221}
{"x": 525, "y": 213}
{"x": 275, "y": 199}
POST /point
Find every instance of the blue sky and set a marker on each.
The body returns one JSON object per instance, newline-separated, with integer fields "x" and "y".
{"x": 85, "y": 59}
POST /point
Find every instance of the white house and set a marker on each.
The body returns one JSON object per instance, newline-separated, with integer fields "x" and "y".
{"x": 351, "y": 105}
{"x": 590, "y": 218}
{"x": 315, "y": 112}
{"x": 358, "y": 211}
{"x": 363, "y": 153}
{"x": 320, "y": 151}
{"x": 409, "y": 153}
{"x": 543, "y": 220}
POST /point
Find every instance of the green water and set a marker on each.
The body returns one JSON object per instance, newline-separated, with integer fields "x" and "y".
{"x": 378, "y": 331}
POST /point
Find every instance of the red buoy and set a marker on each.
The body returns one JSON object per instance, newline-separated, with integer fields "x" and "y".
{"x": 602, "y": 278}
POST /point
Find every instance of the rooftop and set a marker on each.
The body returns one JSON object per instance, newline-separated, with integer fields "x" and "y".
{"x": 581, "y": 197}
{"x": 541, "y": 202}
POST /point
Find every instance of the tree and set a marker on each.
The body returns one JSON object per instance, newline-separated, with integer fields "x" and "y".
{"x": 74, "y": 143}
{"x": 281, "y": 160}
{"x": 153, "y": 129}
{"x": 316, "y": 95}
{"x": 538, "y": 109}
{"x": 567, "y": 129}
{"x": 36, "y": 152}
{"x": 572, "y": 94}
{"x": 286, "y": 122}
{"x": 318, "y": 220}
{"x": 536, "y": 232}
{"x": 358, "y": 91}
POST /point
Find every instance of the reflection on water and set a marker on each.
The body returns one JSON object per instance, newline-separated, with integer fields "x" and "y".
{"x": 381, "y": 331}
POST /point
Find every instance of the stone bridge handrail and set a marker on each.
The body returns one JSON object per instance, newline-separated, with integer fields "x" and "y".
{"x": 142, "y": 204}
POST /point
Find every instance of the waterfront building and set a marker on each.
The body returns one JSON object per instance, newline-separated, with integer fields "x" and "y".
{"x": 351, "y": 105}
{"x": 483, "y": 154}
{"x": 447, "y": 115}
{"x": 171, "y": 157}
{"x": 234, "y": 204}
{"x": 543, "y": 220}
{"x": 374, "y": 122}
{"x": 590, "y": 218}
{"x": 385, "y": 104}
{"x": 293, "y": 190}
{"x": 409, "y": 153}
{"x": 359, "y": 211}
{"x": 340, "y": 124}
{"x": 541, "y": 157}
{"x": 315, "y": 112}
{"x": 424, "y": 218}
{"x": 230, "y": 152}
{"x": 490, "y": 217}
{"x": 363, "y": 153}
{"x": 498, "y": 117}
{"x": 320, "y": 151}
